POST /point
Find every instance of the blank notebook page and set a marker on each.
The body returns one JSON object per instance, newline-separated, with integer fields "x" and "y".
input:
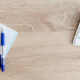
{"x": 10, "y": 36}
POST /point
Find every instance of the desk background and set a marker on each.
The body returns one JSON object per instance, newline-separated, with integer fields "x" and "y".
{"x": 43, "y": 49}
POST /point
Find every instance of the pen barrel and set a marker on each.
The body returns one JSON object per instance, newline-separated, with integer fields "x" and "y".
{"x": 2, "y": 39}
{"x": 0, "y": 60}
{"x": 3, "y": 65}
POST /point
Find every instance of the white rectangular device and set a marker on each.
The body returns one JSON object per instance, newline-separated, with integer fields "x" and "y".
{"x": 76, "y": 40}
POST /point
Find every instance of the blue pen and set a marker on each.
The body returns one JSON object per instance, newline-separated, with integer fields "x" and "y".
{"x": 0, "y": 60}
{"x": 2, "y": 44}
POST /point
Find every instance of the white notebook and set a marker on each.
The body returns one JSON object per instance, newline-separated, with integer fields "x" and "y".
{"x": 10, "y": 36}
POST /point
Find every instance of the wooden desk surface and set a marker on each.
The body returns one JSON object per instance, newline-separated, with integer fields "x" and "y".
{"x": 41, "y": 51}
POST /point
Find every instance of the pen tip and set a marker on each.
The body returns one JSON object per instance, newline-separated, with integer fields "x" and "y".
{"x": 3, "y": 68}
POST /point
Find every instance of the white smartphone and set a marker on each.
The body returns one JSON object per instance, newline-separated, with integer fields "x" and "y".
{"x": 76, "y": 40}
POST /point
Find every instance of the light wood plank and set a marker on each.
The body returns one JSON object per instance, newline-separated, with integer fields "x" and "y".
{"x": 43, "y": 49}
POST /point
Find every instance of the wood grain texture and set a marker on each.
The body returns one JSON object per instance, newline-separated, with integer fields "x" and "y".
{"x": 43, "y": 49}
{"x": 40, "y": 15}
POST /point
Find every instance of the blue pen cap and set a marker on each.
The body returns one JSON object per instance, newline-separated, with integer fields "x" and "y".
{"x": 2, "y": 39}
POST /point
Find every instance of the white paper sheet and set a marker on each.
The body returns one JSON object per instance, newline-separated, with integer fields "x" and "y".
{"x": 10, "y": 36}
